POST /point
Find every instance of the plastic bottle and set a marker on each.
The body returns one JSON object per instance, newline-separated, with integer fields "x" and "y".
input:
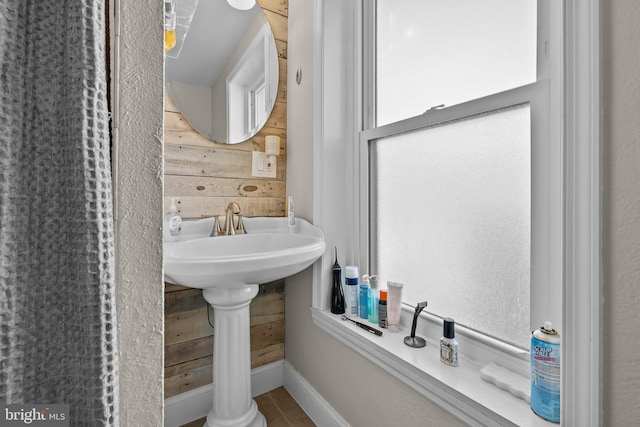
{"x": 337, "y": 296}
{"x": 172, "y": 223}
{"x": 351, "y": 290}
{"x": 365, "y": 289}
{"x": 382, "y": 309}
{"x": 448, "y": 344}
{"x": 291, "y": 216}
{"x": 372, "y": 299}
{"x": 394, "y": 305}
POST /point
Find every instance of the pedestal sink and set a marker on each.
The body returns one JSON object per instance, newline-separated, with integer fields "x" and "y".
{"x": 228, "y": 269}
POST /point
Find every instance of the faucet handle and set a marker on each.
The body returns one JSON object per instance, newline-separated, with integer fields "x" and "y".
{"x": 240, "y": 226}
{"x": 217, "y": 228}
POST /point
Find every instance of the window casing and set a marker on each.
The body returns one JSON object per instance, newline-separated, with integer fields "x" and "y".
{"x": 545, "y": 198}
{"x": 340, "y": 169}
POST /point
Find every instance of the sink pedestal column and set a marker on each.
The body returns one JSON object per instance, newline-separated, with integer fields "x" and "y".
{"x": 232, "y": 402}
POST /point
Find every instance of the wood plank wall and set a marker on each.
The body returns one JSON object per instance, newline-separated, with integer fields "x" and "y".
{"x": 188, "y": 348}
{"x": 204, "y": 177}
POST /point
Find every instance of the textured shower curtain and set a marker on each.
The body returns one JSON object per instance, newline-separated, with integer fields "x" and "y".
{"x": 57, "y": 303}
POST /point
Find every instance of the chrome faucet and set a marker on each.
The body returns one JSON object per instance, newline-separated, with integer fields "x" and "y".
{"x": 232, "y": 209}
{"x": 230, "y": 226}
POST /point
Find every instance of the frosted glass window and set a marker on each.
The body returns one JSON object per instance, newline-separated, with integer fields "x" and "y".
{"x": 452, "y": 210}
{"x": 433, "y": 52}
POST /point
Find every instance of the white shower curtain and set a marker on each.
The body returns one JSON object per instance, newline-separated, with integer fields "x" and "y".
{"x": 57, "y": 306}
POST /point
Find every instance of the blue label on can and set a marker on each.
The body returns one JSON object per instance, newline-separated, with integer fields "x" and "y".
{"x": 545, "y": 379}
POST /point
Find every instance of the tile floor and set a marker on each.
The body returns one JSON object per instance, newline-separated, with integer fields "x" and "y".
{"x": 278, "y": 407}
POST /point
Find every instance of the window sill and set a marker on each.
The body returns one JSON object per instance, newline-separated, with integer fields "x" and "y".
{"x": 459, "y": 390}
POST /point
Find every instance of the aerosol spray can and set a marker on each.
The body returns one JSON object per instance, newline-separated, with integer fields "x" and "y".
{"x": 351, "y": 290}
{"x": 545, "y": 373}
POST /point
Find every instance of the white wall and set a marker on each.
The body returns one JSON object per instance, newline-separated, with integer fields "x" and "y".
{"x": 356, "y": 388}
{"x": 138, "y": 117}
{"x": 621, "y": 210}
{"x": 300, "y": 107}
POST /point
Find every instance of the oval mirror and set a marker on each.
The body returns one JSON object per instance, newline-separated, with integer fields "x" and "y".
{"x": 225, "y": 78}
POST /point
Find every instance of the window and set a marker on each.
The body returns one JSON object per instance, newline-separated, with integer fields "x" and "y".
{"x": 463, "y": 166}
{"x": 467, "y": 247}
{"x": 431, "y": 52}
{"x": 564, "y": 177}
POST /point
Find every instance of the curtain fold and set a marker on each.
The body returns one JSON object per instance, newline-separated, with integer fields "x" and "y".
{"x": 57, "y": 290}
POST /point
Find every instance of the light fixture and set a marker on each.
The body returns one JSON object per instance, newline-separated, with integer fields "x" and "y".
{"x": 242, "y": 4}
{"x": 177, "y": 21}
{"x": 169, "y": 24}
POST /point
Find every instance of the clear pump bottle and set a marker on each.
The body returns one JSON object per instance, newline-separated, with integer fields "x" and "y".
{"x": 372, "y": 299}
{"x": 172, "y": 223}
{"x": 365, "y": 289}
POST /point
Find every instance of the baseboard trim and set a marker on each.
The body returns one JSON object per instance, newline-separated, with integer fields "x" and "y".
{"x": 194, "y": 404}
{"x": 316, "y": 407}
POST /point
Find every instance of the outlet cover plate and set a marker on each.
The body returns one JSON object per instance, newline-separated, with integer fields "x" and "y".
{"x": 261, "y": 167}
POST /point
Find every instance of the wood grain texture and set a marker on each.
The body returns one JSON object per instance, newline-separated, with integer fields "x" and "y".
{"x": 178, "y": 185}
{"x": 277, "y": 6}
{"x": 189, "y": 337}
{"x": 204, "y": 177}
{"x": 279, "y": 25}
{"x": 204, "y": 207}
{"x": 190, "y": 350}
{"x": 188, "y": 380}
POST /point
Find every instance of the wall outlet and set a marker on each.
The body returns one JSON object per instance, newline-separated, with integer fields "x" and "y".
{"x": 262, "y": 166}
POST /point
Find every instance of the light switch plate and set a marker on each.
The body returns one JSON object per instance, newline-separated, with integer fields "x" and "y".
{"x": 261, "y": 167}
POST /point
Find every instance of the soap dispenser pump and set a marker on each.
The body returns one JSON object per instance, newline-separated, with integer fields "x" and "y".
{"x": 173, "y": 223}
{"x": 372, "y": 298}
{"x": 291, "y": 217}
{"x": 364, "y": 289}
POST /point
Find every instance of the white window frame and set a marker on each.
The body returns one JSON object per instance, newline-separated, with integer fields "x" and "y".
{"x": 545, "y": 100}
{"x": 581, "y": 287}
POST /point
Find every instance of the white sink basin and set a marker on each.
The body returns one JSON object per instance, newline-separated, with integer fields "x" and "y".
{"x": 269, "y": 251}
{"x": 228, "y": 269}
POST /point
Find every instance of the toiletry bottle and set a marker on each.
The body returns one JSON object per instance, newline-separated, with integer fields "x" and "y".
{"x": 365, "y": 287}
{"x": 382, "y": 309}
{"x": 351, "y": 289}
{"x": 448, "y": 344}
{"x": 172, "y": 223}
{"x": 291, "y": 217}
{"x": 545, "y": 372}
{"x": 169, "y": 24}
{"x": 337, "y": 296}
{"x": 374, "y": 297}
{"x": 394, "y": 305}
{"x": 372, "y": 300}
